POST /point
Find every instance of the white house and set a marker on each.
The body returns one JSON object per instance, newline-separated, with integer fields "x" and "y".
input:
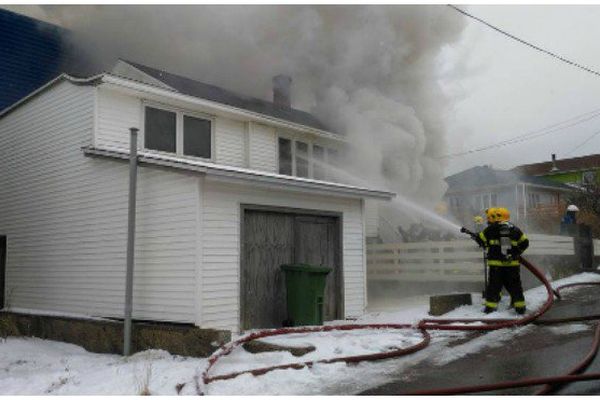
{"x": 229, "y": 188}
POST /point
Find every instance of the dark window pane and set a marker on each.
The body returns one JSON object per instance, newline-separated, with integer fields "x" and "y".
{"x": 159, "y": 130}
{"x": 302, "y": 159}
{"x": 318, "y": 162}
{"x": 285, "y": 156}
{"x": 196, "y": 137}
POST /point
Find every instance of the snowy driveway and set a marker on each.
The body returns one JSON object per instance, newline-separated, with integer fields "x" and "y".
{"x": 33, "y": 366}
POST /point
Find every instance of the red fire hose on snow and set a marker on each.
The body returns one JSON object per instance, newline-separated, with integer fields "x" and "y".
{"x": 423, "y": 326}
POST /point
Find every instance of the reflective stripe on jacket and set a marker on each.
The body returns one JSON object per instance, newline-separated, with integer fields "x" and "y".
{"x": 492, "y": 238}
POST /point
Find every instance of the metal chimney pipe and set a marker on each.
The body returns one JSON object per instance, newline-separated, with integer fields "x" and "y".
{"x": 282, "y": 91}
{"x": 130, "y": 241}
{"x": 554, "y": 167}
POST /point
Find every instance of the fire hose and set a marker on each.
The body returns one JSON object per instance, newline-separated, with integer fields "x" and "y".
{"x": 423, "y": 326}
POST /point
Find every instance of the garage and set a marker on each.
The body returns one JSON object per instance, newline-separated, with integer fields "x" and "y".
{"x": 272, "y": 237}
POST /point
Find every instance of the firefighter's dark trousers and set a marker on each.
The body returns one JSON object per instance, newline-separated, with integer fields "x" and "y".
{"x": 510, "y": 278}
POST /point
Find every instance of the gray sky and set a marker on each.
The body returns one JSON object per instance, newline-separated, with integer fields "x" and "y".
{"x": 507, "y": 89}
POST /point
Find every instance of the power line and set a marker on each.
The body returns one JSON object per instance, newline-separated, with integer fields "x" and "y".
{"x": 593, "y": 135}
{"x": 547, "y": 130}
{"x": 526, "y": 43}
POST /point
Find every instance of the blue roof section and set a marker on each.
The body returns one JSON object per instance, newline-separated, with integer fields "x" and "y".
{"x": 32, "y": 53}
{"x": 484, "y": 176}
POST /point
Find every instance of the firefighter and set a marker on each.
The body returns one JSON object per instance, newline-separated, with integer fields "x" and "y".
{"x": 504, "y": 243}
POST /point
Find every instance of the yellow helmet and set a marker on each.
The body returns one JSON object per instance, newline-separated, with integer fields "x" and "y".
{"x": 504, "y": 214}
{"x": 490, "y": 213}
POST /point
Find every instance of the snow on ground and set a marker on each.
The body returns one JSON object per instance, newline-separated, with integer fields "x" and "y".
{"x": 34, "y": 366}
{"x": 568, "y": 329}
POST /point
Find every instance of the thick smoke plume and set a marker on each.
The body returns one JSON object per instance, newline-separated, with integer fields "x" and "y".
{"x": 372, "y": 73}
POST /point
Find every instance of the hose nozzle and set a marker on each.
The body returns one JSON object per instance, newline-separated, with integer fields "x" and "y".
{"x": 468, "y": 232}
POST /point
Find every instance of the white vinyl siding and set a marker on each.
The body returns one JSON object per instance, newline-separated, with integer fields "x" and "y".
{"x": 116, "y": 113}
{"x": 230, "y": 142}
{"x": 263, "y": 148}
{"x": 221, "y": 246}
{"x": 65, "y": 217}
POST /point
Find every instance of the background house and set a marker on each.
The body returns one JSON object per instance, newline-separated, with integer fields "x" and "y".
{"x": 531, "y": 199}
{"x": 576, "y": 171}
{"x": 229, "y": 189}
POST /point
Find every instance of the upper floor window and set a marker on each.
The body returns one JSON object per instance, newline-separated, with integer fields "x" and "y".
{"x": 306, "y": 160}
{"x": 177, "y": 132}
{"x": 285, "y": 156}
{"x": 160, "y": 130}
{"x": 318, "y": 162}
{"x": 302, "y": 159}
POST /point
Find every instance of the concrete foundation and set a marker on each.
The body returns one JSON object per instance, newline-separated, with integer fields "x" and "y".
{"x": 106, "y": 336}
{"x": 439, "y": 305}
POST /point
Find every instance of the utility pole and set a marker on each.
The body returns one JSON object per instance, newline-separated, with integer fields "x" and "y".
{"x": 130, "y": 241}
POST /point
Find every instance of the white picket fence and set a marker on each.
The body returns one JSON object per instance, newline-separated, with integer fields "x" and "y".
{"x": 458, "y": 260}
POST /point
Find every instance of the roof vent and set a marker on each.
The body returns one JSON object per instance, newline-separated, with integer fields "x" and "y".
{"x": 281, "y": 91}
{"x": 554, "y": 167}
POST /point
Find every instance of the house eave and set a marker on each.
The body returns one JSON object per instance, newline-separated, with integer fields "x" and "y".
{"x": 243, "y": 175}
{"x": 480, "y": 189}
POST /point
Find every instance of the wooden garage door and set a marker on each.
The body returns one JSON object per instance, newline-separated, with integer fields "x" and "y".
{"x": 271, "y": 239}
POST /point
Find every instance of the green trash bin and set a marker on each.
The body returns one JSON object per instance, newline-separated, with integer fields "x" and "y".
{"x": 305, "y": 286}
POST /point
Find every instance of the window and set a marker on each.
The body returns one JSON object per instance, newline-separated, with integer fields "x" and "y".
{"x": 306, "y": 160}
{"x": 588, "y": 177}
{"x": 160, "y": 130}
{"x": 318, "y": 162}
{"x": 333, "y": 159}
{"x": 285, "y": 156}
{"x": 196, "y": 137}
{"x": 302, "y": 159}
{"x": 533, "y": 200}
{"x": 177, "y": 132}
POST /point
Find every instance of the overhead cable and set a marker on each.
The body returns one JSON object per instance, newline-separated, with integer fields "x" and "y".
{"x": 533, "y": 46}
{"x": 586, "y": 141}
{"x": 547, "y": 130}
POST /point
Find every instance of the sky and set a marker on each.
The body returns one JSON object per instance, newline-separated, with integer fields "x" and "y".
{"x": 508, "y": 89}
{"x": 504, "y": 89}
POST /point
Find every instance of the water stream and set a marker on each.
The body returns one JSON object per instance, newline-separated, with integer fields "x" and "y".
{"x": 400, "y": 203}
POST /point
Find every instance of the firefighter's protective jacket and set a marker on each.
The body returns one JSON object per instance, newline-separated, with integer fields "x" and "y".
{"x": 504, "y": 243}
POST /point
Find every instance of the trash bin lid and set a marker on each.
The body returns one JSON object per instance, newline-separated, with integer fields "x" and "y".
{"x": 306, "y": 268}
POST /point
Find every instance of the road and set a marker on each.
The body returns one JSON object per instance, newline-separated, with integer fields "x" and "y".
{"x": 540, "y": 351}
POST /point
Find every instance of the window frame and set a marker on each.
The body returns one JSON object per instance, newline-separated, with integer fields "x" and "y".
{"x": 294, "y": 138}
{"x": 179, "y": 121}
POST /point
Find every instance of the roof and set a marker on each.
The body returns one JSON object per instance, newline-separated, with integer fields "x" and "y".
{"x": 485, "y": 176}
{"x": 31, "y": 53}
{"x": 218, "y": 94}
{"x": 241, "y": 174}
{"x": 564, "y": 165}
